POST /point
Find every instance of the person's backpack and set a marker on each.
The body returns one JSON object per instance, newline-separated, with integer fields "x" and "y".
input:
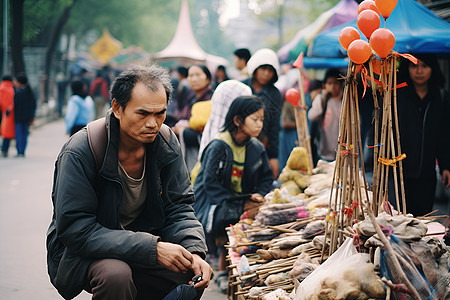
{"x": 97, "y": 138}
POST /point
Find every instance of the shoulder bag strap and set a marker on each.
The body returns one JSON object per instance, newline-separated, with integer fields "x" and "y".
{"x": 96, "y": 131}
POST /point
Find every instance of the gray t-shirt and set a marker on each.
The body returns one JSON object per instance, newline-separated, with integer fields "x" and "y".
{"x": 134, "y": 195}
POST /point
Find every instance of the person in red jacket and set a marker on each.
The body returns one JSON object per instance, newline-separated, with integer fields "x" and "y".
{"x": 7, "y": 110}
{"x": 100, "y": 93}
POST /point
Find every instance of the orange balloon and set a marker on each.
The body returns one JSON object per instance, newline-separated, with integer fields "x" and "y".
{"x": 368, "y": 21}
{"x": 368, "y": 4}
{"x": 359, "y": 51}
{"x": 382, "y": 42}
{"x": 386, "y": 7}
{"x": 348, "y": 35}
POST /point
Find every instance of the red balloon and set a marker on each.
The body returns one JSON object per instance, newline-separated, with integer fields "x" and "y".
{"x": 368, "y": 21}
{"x": 382, "y": 42}
{"x": 348, "y": 35}
{"x": 386, "y": 7}
{"x": 293, "y": 96}
{"x": 359, "y": 51}
{"x": 368, "y": 4}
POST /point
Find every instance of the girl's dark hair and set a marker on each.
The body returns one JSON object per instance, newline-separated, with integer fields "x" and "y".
{"x": 204, "y": 69}
{"x": 242, "y": 107}
{"x": 78, "y": 88}
{"x": 437, "y": 79}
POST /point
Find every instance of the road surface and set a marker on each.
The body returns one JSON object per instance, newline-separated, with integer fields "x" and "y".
{"x": 25, "y": 212}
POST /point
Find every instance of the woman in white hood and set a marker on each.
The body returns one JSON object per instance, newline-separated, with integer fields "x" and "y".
{"x": 263, "y": 68}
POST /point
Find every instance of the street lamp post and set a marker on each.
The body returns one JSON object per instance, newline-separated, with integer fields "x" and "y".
{"x": 5, "y": 37}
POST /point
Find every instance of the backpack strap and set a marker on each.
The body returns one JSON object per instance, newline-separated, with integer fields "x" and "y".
{"x": 97, "y": 138}
{"x": 165, "y": 132}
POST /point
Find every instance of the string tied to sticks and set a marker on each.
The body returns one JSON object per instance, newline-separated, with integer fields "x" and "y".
{"x": 377, "y": 145}
{"x": 355, "y": 204}
{"x": 364, "y": 75}
{"x": 387, "y": 207}
{"x": 357, "y": 242}
{"x": 350, "y": 147}
{"x": 347, "y": 152}
{"x": 409, "y": 57}
{"x": 391, "y": 162}
{"x": 348, "y": 211}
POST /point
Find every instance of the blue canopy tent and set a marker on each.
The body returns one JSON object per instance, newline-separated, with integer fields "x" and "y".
{"x": 415, "y": 27}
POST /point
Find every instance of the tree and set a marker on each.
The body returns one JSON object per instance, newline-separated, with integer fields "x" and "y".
{"x": 62, "y": 20}
{"x": 17, "y": 36}
{"x": 287, "y": 16}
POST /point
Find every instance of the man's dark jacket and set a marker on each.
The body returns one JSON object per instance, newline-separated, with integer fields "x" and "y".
{"x": 86, "y": 225}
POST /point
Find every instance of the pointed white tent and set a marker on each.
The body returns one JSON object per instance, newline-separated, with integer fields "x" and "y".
{"x": 184, "y": 47}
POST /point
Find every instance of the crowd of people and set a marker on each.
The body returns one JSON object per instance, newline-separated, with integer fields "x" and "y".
{"x": 230, "y": 138}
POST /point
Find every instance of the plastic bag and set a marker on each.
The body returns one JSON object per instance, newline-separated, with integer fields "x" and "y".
{"x": 412, "y": 266}
{"x": 311, "y": 285}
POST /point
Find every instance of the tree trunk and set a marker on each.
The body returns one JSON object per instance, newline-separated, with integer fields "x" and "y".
{"x": 17, "y": 36}
{"x": 52, "y": 45}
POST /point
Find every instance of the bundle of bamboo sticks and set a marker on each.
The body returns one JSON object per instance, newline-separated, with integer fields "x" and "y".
{"x": 388, "y": 154}
{"x": 346, "y": 190}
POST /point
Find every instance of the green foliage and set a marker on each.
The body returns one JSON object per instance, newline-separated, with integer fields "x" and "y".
{"x": 295, "y": 15}
{"x": 205, "y": 23}
{"x": 134, "y": 22}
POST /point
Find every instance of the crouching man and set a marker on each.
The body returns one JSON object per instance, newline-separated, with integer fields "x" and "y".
{"x": 123, "y": 226}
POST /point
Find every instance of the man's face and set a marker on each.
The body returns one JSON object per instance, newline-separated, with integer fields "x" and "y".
{"x": 144, "y": 114}
{"x": 239, "y": 63}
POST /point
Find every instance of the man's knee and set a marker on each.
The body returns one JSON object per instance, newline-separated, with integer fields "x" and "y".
{"x": 111, "y": 276}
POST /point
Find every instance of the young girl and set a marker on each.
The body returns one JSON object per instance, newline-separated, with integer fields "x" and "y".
{"x": 234, "y": 163}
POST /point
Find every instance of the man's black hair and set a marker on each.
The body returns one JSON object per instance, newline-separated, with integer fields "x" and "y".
{"x": 243, "y": 53}
{"x": 154, "y": 77}
{"x": 183, "y": 71}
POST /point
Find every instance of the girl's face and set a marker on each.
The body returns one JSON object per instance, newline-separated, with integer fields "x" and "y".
{"x": 420, "y": 73}
{"x": 197, "y": 78}
{"x": 264, "y": 74}
{"x": 253, "y": 123}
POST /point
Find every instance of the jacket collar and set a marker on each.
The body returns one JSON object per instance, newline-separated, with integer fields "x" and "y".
{"x": 163, "y": 149}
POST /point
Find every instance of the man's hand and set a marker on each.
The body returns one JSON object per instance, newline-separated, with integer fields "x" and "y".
{"x": 174, "y": 257}
{"x": 446, "y": 178}
{"x": 199, "y": 266}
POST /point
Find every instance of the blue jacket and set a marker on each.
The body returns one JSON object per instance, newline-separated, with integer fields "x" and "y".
{"x": 212, "y": 185}
{"x": 80, "y": 111}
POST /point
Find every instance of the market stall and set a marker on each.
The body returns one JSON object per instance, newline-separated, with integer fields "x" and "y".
{"x": 324, "y": 234}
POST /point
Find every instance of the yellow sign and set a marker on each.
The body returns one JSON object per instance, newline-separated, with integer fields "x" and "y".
{"x": 106, "y": 47}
